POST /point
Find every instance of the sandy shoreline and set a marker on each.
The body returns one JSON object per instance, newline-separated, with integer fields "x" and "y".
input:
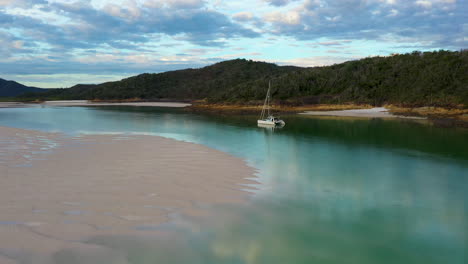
{"x": 376, "y": 112}
{"x": 56, "y": 191}
{"x": 88, "y": 103}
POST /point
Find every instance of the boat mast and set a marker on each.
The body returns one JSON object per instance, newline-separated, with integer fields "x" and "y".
{"x": 268, "y": 97}
{"x": 266, "y": 104}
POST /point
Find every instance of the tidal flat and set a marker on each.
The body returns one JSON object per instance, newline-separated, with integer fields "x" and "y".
{"x": 57, "y": 191}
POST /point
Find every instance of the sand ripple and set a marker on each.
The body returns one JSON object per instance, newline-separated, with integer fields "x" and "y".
{"x": 57, "y": 191}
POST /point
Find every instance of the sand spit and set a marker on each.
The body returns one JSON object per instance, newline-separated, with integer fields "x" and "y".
{"x": 57, "y": 191}
{"x": 89, "y": 103}
{"x": 12, "y": 105}
{"x": 376, "y": 112}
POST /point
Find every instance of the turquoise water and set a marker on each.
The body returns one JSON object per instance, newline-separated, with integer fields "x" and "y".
{"x": 332, "y": 190}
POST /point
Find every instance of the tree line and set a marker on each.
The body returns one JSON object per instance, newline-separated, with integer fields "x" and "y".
{"x": 438, "y": 78}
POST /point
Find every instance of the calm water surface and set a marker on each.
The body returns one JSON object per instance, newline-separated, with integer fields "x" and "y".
{"x": 332, "y": 190}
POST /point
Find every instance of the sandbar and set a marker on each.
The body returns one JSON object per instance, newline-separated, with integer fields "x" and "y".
{"x": 376, "y": 112}
{"x": 56, "y": 190}
{"x": 90, "y": 103}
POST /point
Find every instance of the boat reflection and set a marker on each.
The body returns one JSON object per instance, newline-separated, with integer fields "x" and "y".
{"x": 271, "y": 128}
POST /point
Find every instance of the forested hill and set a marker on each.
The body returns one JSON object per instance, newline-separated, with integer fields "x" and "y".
{"x": 185, "y": 84}
{"x": 12, "y": 88}
{"x": 415, "y": 79}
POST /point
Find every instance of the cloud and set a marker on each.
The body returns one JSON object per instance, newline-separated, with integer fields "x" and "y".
{"x": 315, "y": 61}
{"x": 60, "y": 80}
{"x": 9, "y": 44}
{"x": 126, "y": 10}
{"x": 175, "y": 4}
{"x": 250, "y": 55}
{"x": 199, "y": 26}
{"x": 435, "y": 21}
{"x": 437, "y": 3}
{"x": 126, "y": 26}
{"x": 120, "y": 37}
{"x": 284, "y": 18}
{"x": 21, "y": 3}
{"x": 99, "y": 63}
{"x": 424, "y": 3}
{"x": 334, "y": 43}
{"x": 202, "y": 27}
{"x": 279, "y": 2}
{"x": 243, "y": 16}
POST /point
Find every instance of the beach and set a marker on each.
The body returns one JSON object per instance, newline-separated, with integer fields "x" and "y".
{"x": 376, "y": 112}
{"x": 57, "y": 191}
{"x": 90, "y": 103}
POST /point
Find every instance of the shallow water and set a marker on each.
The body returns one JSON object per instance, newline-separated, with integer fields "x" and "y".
{"x": 332, "y": 190}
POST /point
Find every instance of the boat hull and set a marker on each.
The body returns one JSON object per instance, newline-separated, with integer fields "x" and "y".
{"x": 263, "y": 122}
{"x": 271, "y": 123}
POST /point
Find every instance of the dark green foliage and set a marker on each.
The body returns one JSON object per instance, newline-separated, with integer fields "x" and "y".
{"x": 186, "y": 84}
{"x": 415, "y": 79}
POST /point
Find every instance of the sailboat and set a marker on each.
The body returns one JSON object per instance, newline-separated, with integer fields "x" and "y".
{"x": 266, "y": 119}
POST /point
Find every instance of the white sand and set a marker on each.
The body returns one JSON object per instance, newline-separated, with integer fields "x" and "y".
{"x": 12, "y": 104}
{"x": 56, "y": 191}
{"x": 376, "y": 112}
{"x": 88, "y": 103}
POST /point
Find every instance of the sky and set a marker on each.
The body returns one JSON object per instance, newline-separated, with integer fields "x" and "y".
{"x": 59, "y": 43}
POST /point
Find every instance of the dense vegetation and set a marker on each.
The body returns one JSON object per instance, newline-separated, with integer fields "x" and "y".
{"x": 429, "y": 78}
{"x": 415, "y": 79}
{"x": 12, "y": 88}
{"x": 185, "y": 84}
